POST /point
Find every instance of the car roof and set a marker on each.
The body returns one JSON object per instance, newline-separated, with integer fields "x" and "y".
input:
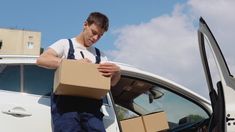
{"x": 18, "y": 59}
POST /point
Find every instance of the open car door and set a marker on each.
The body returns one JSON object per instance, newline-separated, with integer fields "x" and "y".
{"x": 222, "y": 98}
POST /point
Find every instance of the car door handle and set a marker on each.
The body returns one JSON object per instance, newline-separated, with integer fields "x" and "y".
{"x": 17, "y": 112}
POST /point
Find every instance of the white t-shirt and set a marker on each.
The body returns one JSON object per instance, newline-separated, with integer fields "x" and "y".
{"x": 62, "y": 47}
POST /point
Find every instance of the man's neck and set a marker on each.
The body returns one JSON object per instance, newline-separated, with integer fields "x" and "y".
{"x": 80, "y": 39}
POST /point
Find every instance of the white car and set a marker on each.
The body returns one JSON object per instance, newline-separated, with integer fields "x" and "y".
{"x": 25, "y": 92}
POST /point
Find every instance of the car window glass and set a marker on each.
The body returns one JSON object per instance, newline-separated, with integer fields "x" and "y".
{"x": 144, "y": 98}
{"x": 212, "y": 64}
{"x": 38, "y": 80}
{"x": 105, "y": 100}
{"x": 10, "y": 77}
{"x": 123, "y": 113}
{"x": 176, "y": 107}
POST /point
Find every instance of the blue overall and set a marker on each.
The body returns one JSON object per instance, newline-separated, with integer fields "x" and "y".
{"x": 74, "y": 113}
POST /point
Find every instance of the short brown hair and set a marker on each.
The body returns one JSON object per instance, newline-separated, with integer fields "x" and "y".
{"x": 99, "y": 19}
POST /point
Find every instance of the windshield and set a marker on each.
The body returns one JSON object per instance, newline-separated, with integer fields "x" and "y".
{"x": 139, "y": 98}
{"x": 174, "y": 105}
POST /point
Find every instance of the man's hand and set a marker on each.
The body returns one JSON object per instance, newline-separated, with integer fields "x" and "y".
{"x": 110, "y": 70}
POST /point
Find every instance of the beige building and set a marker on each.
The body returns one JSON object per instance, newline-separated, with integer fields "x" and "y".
{"x": 19, "y": 42}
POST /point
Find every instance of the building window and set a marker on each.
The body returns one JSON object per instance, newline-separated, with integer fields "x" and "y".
{"x": 30, "y": 45}
{"x": 0, "y": 44}
{"x": 30, "y": 42}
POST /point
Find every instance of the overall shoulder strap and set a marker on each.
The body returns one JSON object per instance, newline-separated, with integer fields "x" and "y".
{"x": 97, "y": 57}
{"x": 71, "y": 50}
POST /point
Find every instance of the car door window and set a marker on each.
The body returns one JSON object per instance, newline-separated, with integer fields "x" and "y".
{"x": 38, "y": 80}
{"x": 10, "y": 77}
{"x": 124, "y": 113}
{"x": 220, "y": 81}
{"x": 144, "y": 98}
{"x": 179, "y": 110}
{"x": 26, "y": 78}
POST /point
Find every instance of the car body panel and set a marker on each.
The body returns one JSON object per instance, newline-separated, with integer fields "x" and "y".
{"x": 223, "y": 99}
{"x": 24, "y": 112}
{"x": 40, "y": 112}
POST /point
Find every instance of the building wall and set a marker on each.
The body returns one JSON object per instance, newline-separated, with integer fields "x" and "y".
{"x": 19, "y": 42}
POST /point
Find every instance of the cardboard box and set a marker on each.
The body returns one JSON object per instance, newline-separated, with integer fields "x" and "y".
{"x": 80, "y": 79}
{"x": 133, "y": 125}
{"x": 155, "y": 122}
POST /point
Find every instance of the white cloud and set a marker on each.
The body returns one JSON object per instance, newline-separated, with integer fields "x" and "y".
{"x": 220, "y": 17}
{"x": 167, "y": 45}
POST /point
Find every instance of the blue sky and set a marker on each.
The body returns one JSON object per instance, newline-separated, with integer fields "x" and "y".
{"x": 64, "y": 19}
{"x": 159, "y": 36}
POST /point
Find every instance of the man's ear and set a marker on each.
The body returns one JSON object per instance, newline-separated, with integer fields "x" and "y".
{"x": 85, "y": 24}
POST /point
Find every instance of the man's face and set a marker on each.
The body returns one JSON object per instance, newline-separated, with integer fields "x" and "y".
{"x": 92, "y": 33}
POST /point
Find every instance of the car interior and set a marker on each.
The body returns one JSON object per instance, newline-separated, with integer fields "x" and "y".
{"x": 136, "y": 97}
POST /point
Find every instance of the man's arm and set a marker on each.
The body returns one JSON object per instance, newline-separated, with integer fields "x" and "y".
{"x": 110, "y": 70}
{"x": 49, "y": 59}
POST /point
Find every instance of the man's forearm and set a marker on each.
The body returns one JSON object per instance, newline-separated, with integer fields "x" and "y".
{"x": 49, "y": 62}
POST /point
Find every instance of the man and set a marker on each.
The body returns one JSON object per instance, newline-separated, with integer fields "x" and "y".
{"x": 70, "y": 113}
